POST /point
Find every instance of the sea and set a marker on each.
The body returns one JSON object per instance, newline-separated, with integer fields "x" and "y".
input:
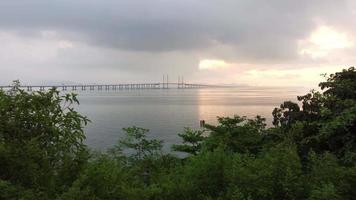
{"x": 166, "y": 112}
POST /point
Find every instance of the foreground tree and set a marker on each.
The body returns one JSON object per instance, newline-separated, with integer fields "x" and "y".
{"x": 41, "y": 140}
{"x": 192, "y": 140}
{"x": 327, "y": 120}
{"x": 236, "y": 134}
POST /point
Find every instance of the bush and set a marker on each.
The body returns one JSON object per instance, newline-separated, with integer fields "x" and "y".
{"x": 41, "y": 139}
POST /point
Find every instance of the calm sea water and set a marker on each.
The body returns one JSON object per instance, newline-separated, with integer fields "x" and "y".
{"x": 166, "y": 112}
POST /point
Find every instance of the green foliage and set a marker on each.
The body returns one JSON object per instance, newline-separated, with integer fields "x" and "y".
{"x": 236, "y": 134}
{"x": 328, "y": 118}
{"x": 134, "y": 169}
{"x": 341, "y": 85}
{"x": 275, "y": 174}
{"x": 40, "y": 139}
{"x": 287, "y": 114}
{"x": 204, "y": 173}
{"x": 327, "y": 177}
{"x": 192, "y": 140}
{"x": 104, "y": 178}
{"x": 138, "y": 145}
{"x": 324, "y": 192}
{"x": 9, "y": 191}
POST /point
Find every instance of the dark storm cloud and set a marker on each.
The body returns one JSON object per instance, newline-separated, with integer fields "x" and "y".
{"x": 255, "y": 29}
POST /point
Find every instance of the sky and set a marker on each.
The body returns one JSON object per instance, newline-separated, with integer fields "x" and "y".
{"x": 240, "y": 42}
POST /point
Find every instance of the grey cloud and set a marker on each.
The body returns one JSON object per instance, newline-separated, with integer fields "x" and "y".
{"x": 263, "y": 30}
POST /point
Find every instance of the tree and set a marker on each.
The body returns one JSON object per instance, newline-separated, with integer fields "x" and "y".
{"x": 287, "y": 114}
{"x": 341, "y": 85}
{"x": 328, "y": 118}
{"x": 143, "y": 153}
{"x": 237, "y": 134}
{"x": 41, "y": 139}
{"x": 137, "y": 145}
{"x": 272, "y": 174}
{"x": 192, "y": 141}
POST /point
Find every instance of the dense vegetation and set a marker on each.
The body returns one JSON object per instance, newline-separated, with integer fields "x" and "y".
{"x": 309, "y": 153}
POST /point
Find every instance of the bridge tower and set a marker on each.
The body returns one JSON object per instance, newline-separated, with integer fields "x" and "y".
{"x": 165, "y": 83}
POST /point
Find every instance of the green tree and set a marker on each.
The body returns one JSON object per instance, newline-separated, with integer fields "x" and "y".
{"x": 237, "y": 134}
{"x": 328, "y": 118}
{"x": 272, "y": 174}
{"x": 287, "y": 114}
{"x": 327, "y": 179}
{"x": 41, "y": 140}
{"x": 203, "y": 176}
{"x": 137, "y": 145}
{"x": 143, "y": 153}
{"x": 103, "y": 178}
{"x": 192, "y": 141}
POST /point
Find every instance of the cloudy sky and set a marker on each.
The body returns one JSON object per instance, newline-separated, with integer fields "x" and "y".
{"x": 244, "y": 42}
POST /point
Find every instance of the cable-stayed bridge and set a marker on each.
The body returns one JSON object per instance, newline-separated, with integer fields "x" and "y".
{"x": 165, "y": 84}
{"x": 128, "y": 86}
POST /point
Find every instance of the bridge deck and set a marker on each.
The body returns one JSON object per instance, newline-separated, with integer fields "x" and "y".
{"x": 129, "y": 86}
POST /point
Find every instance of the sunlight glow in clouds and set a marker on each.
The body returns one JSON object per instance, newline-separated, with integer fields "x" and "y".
{"x": 309, "y": 76}
{"x": 213, "y": 64}
{"x": 324, "y": 40}
{"x": 328, "y": 38}
{"x": 64, "y": 44}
